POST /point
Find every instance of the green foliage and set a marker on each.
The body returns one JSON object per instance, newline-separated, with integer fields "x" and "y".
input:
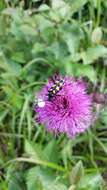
{"x": 38, "y": 38}
{"x": 43, "y": 179}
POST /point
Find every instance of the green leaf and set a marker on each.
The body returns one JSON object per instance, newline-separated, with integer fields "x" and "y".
{"x": 33, "y": 150}
{"x": 58, "y": 4}
{"x": 103, "y": 117}
{"x": 15, "y": 182}
{"x": 85, "y": 70}
{"x": 26, "y": 30}
{"x": 43, "y": 180}
{"x": 73, "y": 35}
{"x": 96, "y": 35}
{"x": 77, "y": 173}
{"x": 2, "y": 4}
{"x": 93, "y": 53}
{"x": 78, "y": 69}
{"x": 13, "y": 96}
{"x": 43, "y": 8}
{"x": 77, "y": 5}
{"x": 36, "y": 0}
{"x": 38, "y": 47}
{"x": 10, "y": 11}
{"x": 50, "y": 152}
{"x": 15, "y": 178}
{"x": 18, "y": 57}
{"x": 91, "y": 181}
{"x": 67, "y": 152}
{"x": 38, "y": 177}
{"x": 11, "y": 68}
{"x": 60, "y": 7}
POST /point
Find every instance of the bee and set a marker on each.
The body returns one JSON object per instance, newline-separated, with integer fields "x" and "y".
{"x": 57, "y": 86}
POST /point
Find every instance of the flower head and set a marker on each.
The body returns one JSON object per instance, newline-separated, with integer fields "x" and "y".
{"x": 65, "y": 107}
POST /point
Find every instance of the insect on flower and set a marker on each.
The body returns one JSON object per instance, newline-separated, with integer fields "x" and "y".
{"x": 56, "y": 87}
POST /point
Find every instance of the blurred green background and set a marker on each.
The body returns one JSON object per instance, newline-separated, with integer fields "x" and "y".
{"x": 37, "y": 39}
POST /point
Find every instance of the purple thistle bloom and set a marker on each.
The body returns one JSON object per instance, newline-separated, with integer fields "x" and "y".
{"x": 67, "y": 111}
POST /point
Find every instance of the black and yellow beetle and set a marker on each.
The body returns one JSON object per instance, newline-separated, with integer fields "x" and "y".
{"x": 56, "y": 87}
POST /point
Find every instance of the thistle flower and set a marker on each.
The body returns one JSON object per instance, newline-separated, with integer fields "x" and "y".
{"x": 69, "y": 110}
